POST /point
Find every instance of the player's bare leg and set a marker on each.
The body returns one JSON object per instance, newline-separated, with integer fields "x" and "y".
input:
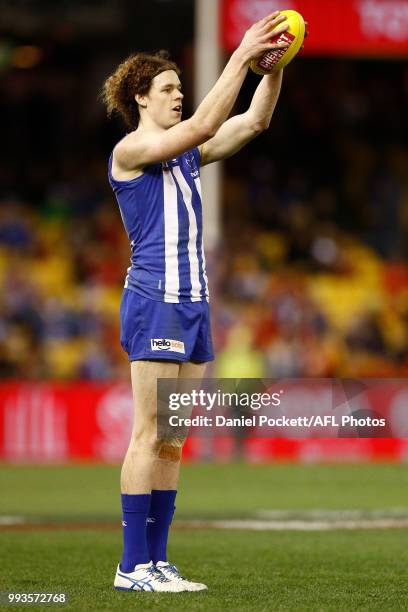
{"x": 143, "y": 455}
{"x": 136, "y": 570}
{"x": 167, "y": 461}
{"x": 165, "y": 480}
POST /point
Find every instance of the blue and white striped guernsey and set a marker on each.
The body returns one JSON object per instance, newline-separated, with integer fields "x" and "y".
{"x": 162, "y": 214}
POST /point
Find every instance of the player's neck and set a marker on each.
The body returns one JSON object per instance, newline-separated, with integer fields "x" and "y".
{"x": 148, "y": 124}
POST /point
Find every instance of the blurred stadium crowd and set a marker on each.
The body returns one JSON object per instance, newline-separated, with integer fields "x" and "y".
{"x": 311, "y": 276}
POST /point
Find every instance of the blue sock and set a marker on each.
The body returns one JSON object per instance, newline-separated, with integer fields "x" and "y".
{"x": 135, "y": 509}
{"x": 158, "y": 523}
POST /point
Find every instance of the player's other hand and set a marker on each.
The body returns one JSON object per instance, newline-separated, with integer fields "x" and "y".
{"x": 256, "y": 40}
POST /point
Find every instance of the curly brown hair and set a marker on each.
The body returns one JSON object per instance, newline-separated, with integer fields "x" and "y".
{"x": 134, "y": 76}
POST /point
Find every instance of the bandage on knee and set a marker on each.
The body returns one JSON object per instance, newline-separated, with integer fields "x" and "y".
{"x": 170, "y": 452}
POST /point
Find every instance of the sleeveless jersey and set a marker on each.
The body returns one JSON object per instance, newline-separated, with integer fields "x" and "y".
{"x": 162, "y": 214}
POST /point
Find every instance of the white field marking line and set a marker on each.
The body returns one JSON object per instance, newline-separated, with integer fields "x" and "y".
{"x": 327, "y": 514}
{"x": 12, "y": 520}
{"x": 255, "y": 525}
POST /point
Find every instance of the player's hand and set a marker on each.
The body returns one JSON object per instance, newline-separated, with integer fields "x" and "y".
{"x": 257, "y": 39}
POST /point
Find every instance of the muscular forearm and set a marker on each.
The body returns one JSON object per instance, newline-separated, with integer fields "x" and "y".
{"x": 264, "y": 100}
{"x": 239, "y": 130}
{"x": 217, "y": 104}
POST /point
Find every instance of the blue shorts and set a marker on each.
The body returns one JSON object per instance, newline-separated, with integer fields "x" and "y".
{"x": 159, "y": 330}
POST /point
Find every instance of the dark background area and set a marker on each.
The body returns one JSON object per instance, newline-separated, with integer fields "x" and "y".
{"x": 55, "y": 57}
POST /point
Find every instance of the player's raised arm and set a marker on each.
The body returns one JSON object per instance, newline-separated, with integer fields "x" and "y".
{"x": 241, "y": 129}
{"x": 161, "y": 135}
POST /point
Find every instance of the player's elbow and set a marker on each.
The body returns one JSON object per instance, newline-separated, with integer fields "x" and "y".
{"x": 210, "y": 130}
{"x": 207, "y": 131}
{"x": 259, "y": 126}
{"x": 204, "y": 129}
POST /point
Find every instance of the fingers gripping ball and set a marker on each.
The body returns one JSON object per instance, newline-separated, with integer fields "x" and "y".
{"x": 276, "y": 59}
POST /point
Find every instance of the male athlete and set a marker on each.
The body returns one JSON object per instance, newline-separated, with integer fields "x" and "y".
{"x": 165, "y": 326}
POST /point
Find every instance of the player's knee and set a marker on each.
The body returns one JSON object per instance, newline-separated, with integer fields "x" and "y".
{"x": 169, "y": 450}
{"x": 146, "y": 441}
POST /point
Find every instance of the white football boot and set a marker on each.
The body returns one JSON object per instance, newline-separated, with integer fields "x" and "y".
{"x": 146, "y": 577}
{"x": 171, "y": 572}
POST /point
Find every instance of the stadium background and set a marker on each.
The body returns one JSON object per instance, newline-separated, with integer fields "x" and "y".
{"x": 309, "y": 279}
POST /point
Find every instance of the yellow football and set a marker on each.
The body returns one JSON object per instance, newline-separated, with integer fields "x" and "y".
{"x": 276, "y": 59}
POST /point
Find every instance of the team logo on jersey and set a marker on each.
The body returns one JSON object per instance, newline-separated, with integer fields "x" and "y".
{"x": 192, "y": 163}
{"x": 165, "y": 344}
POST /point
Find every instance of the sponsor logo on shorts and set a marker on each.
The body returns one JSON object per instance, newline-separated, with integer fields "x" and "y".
{"x": 165, "y": 344}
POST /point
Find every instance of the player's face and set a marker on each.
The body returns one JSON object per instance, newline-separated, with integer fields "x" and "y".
{"x": 164, "y": 99}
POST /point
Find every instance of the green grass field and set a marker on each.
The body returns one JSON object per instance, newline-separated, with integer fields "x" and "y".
{"x": 363, "y": 569}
